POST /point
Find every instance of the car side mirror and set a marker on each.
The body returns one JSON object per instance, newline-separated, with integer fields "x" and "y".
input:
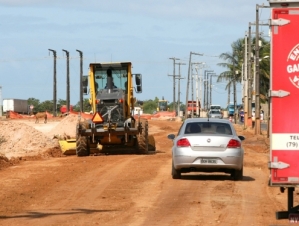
{"x": 241, "y": 138}
{"x": 171, "y": 136}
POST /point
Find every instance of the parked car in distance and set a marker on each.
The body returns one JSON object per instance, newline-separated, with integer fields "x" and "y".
{"x": 207, "y": 145}
{"x": 215, "y": 114}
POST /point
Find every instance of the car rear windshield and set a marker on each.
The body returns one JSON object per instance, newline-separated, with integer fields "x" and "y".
{"x": 208, "y": 128}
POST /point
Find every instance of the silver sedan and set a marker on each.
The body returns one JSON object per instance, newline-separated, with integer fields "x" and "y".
{"x": 207, "y": 145}
{"x": 215, "y": 114}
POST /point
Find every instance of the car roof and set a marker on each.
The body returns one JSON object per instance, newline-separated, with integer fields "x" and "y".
{"x": 206, "y": 120}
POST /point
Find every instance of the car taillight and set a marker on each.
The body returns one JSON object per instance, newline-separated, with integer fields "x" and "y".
{"x": 234, "y": 144}
{"x": 184, "y": 142}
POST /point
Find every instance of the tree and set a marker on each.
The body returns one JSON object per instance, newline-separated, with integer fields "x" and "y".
{"x": 233, "y": 64}
{"x": 264, "y": 69}
{"x": 235, "y": 60}
{"x": 35, "y": 103}
{"x": 46, "y": 106}
{"x": 86, "y": 106}
{"x": 149, "y": 106}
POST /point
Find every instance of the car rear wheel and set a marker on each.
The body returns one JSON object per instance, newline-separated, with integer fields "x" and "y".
{"x": 238, "y": 174}
{"x": 176, "y": 174}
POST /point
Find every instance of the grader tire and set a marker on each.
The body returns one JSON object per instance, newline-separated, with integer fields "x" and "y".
{"x": 146, "y": 142}
{"x": 82, "y": 147}
{"x": 143, "y": 138}
{"x": 151, "y": 144}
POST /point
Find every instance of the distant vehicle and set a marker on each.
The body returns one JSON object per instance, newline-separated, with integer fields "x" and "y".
{"x": 162, "y": 105}
{"x": 138, "y": 111}
{"x": 215, "y": 107}
{"x": 207, "y": 145}
{"x": 231, "y": 109}
{"x": 63, "y": 109}
{"x": 215, "y": 114}
{"x": 192, "y": 105}
{"x": 16, "y": 105}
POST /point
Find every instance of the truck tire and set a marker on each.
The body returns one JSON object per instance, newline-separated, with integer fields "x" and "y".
{"x": 82, "y": 147}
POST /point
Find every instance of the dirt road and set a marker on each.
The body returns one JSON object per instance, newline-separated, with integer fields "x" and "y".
{"x": 138, "y": 190}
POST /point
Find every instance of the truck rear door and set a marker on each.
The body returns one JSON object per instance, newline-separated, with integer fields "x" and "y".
{"x": 284, "y": 92}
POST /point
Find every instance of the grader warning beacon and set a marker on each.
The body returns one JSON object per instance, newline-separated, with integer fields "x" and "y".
{"x": 113, "y": 127}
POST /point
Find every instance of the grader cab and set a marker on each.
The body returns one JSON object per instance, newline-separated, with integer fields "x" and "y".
{"x": 113, "y": 128}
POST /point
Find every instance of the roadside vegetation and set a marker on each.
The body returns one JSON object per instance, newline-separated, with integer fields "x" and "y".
{"x": 148, "y": 106}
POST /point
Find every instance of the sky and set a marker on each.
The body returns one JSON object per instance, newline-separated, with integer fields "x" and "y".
{"x": 145, "y": 32}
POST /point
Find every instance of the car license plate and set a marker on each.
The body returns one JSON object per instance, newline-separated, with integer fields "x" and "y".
{"x": 208, "y": 161}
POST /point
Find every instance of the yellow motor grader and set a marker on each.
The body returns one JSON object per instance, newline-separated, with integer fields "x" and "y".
{"x": 113, "y": 127}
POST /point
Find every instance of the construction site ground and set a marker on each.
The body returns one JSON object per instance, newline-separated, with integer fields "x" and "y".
{"x": 41, "y": 186}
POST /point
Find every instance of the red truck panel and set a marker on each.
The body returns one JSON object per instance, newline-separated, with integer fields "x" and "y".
{"x": 284, "y": 136}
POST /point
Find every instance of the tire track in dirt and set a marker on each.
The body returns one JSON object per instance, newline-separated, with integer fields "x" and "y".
{"x": 81, "y": 195}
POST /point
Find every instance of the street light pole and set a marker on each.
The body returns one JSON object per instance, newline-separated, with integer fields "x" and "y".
{"x": 257, "y": 76}
{"x": 196, "y": 85}
{"x": 67, "y": 81}
{"x": 179, "y": 82}
{"x": 54, "y": 83}
{"x": 174, "y": 59}
{"x": 205, "y": 97}
{"x": 188, "y": 83}
{"x": 81, "y": 77}
{"x": 210, "y": 89}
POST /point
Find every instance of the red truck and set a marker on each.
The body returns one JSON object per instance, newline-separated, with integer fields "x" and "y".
{"x": 193, "y": 106}
{"x": 63, "y": 109}
{"x": 284, "y": 92}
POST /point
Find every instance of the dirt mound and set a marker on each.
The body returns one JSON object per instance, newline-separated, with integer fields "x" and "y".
{"x": 66, "y": 128}
{"x": 19, "y": 139}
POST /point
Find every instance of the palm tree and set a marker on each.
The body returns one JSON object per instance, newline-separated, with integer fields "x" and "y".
{"x": 234, "y": 61}
{"x": 233, "y": 65}
{"x": 264, "y": 69}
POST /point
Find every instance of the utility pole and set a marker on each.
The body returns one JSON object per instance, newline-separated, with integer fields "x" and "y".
{"x": 188, "y": 84}
{"x": 198, "y": 91}
{"x": 257, "y": 76}
{"x": 200, "y": 88}
{"x": 54, "y": 84}
{"x": 211, "y": 76}
{"x": 249, "y": 76}
{"x": 235, "y": 89}
{"x": 245, "y": 79}
{"x": 174, "y": 59}
{"x": 206, "y": 97}
{"x": 81, "y": 78}
{"x": 67, "y": 81}
{"x": 179, "y": 92}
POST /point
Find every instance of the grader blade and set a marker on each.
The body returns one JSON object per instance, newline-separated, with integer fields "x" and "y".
{"x": 68, "y": 147}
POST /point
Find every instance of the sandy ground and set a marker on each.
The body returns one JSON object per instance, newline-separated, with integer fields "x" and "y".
{"x": 40, "y": 186}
